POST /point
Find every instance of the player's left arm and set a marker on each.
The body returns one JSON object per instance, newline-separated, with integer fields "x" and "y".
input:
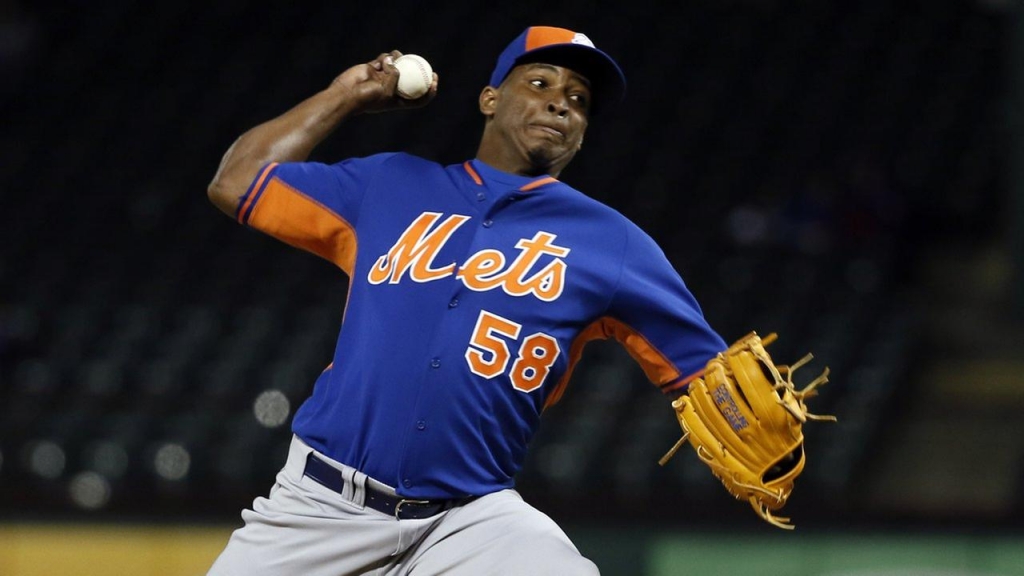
{"x": 673, "y": 340}
{"x": 742, "y": 413}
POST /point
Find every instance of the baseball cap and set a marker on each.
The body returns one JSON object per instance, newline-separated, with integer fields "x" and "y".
{"x": 568, "y": 49}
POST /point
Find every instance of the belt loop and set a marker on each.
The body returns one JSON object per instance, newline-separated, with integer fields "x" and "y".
{"x": 347, "y": 485}
{"x": 358, "y": 487}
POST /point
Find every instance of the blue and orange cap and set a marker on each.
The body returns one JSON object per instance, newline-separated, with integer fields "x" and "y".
{"x": 568, "y": 49}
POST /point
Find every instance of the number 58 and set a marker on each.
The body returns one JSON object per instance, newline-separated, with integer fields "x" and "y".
{"x": 488, "y": 354}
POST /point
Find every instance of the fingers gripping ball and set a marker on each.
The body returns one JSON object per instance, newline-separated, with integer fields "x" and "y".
{"x": 745, "y": 419}
{"x": 414, "y": 76}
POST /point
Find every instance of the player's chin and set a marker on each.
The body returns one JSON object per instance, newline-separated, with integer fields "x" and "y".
{"x": 548, "y": 157}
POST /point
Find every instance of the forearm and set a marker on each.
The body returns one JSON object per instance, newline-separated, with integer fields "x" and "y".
{"x": 290, "y": 137}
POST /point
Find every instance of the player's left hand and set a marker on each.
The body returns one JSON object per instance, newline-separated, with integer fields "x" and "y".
{"x": 745, "y": 419}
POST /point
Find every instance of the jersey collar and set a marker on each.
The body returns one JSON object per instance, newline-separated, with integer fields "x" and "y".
{"x": 484, "y": 175}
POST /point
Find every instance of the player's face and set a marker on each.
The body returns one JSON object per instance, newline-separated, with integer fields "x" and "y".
{"x": 539, "y": 117}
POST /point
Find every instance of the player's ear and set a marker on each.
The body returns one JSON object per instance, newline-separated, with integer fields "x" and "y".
{"x": 488, "y": 100}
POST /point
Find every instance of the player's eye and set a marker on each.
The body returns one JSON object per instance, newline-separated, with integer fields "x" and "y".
{"x": 538, "y": 82}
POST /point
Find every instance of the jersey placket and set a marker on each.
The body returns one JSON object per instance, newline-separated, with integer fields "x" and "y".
{"x": 489, "y": 201}
{"x": 440, "y": 367}
{"x": 444, "y": 361}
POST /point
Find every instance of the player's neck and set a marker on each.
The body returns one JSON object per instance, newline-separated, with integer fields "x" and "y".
{"x": 503, "y": 158}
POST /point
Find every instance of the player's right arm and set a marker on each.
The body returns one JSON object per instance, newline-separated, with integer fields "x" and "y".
{"x": 292, "y": 136}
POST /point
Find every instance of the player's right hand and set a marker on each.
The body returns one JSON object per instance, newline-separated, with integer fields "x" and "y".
{"x": 373, "y": 86}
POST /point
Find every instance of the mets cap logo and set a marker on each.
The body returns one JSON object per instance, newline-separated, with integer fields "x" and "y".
{"x": 581, "y": 38}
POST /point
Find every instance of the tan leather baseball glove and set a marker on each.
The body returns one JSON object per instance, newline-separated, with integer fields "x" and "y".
{"x": 745, "y": 419}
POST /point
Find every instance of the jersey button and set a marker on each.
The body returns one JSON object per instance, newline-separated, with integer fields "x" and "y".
{"x": 480, "y": 197}
{"x": 453, "y": 303}
{"x": 421, "y": 425}
{"x": 407, "y": 483}
{"x": 488, "y": 223}
{"x": 435, "y": 362}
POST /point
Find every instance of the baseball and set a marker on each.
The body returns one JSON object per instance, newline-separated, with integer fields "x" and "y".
{"x": 414, "y": 76}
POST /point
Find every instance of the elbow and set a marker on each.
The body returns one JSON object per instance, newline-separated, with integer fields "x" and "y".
{"x": 222, "y": 197}
{"x": 215, "y": 190}
{"x": 223, "y": 191}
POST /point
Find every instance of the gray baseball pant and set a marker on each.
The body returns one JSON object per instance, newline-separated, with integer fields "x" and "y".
{"x": 306, "y": 528}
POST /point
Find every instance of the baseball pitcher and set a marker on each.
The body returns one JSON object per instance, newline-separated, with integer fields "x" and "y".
{"x": 473, "y": 290}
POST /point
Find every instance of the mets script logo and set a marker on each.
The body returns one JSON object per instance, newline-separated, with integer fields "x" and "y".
{"x": 414, "y": 252}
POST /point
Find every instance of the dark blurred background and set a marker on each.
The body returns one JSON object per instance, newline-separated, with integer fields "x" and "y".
{"x": 847, "y": 174}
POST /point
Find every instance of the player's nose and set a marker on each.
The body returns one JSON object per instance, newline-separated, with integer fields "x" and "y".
{"x": 559, "y": 105}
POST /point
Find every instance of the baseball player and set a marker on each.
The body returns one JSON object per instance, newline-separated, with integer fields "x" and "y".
{"x": 473, "y": 290}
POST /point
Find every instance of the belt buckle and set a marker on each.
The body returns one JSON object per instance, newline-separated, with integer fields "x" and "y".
{"x": 404, "y": 501}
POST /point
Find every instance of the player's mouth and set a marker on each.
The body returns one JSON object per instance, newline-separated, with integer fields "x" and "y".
{"x": 549, "y": 130}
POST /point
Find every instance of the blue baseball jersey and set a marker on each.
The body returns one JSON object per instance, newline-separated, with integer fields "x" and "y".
{"x": 472, "y": 294}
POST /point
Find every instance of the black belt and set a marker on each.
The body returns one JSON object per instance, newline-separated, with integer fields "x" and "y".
{"x": 401, "y": 508}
